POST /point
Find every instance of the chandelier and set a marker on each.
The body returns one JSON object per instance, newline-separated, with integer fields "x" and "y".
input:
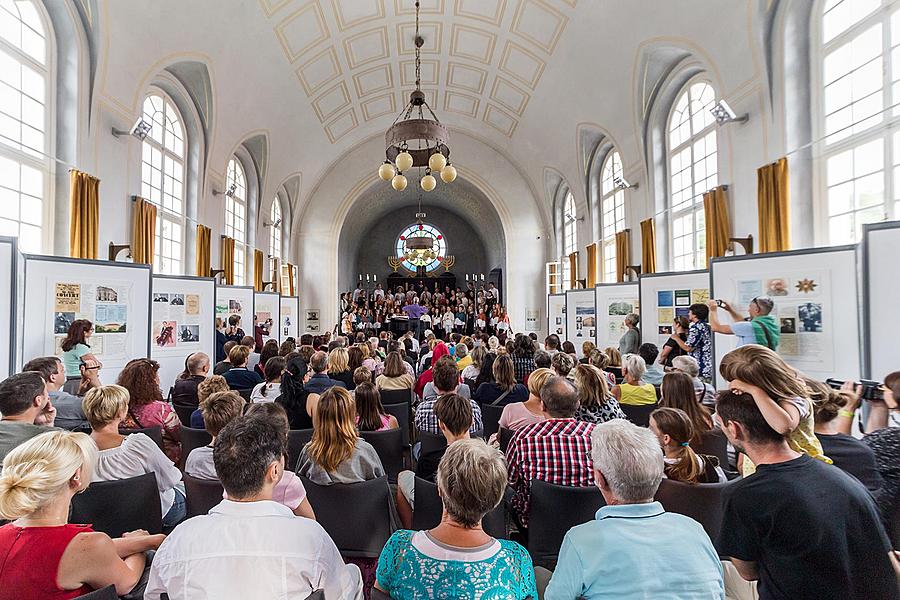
{"x": 415, "y": 140}
{"x": 419, "y": 249}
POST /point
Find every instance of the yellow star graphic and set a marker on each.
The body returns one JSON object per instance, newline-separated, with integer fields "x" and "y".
{"x": 806, "y": 286}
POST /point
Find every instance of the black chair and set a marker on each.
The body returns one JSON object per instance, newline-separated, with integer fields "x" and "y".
{"x": 389, "y": 446}
{"x": 490, "y": 418}
{"x": 699, "y": 501}
{"x": 115, "y": 507}
{"x": 184, "y": 412}
{"x": 429, "y": 508}
{"x": 201, "y": 494}
{"x": 192, "y": 438}
{"x": 401, "y": 412}
{"x": 107, "y": 593}
{"x": 395, "y": 396}
{"x": 245, "y": 394}
{"x": 431, "y": 442}
{"x": 378, "y": 595}
{"x": 639, "y": 415}
{"x": 505, "y": 436}
{"x": 297, "y": 438}
{"x": 555, "y": 509}
{"x": 357, "y": 516}
{"x": 713, "y": 443}
{"x": 154, "y": 433}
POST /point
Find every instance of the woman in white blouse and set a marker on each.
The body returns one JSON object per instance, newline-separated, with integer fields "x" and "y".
{"x": 122, "y": 457}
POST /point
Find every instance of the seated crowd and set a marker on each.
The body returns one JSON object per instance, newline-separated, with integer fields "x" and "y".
{"x": 807, "y": 510}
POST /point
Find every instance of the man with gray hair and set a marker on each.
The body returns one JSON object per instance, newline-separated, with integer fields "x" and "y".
{"x": 634, "y": 548}
{"x": 761, "y": 327}
{"x": 557, "y": 450}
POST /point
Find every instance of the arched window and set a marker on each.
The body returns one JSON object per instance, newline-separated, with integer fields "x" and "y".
{"x": 236, "y": 216}
{"x": 427, "y": 258}
{"x": 162, "y": 180}
{"x": 612, "y": 206}
{"x": 860, "y": 76}
{"x": 570, "y": 239}
{"x": 24, "y": 125}
{"x": 275, "y": 231}
{"x": 693, "y": 170}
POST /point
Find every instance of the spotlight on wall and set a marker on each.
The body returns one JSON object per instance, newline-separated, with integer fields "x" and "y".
{"x": 140, "y": 130}
{"x": 229, "y": 193}
{"x": 724, "y": 115}
{"x": 277, "y": 223}
{"x": 622, "y": 183}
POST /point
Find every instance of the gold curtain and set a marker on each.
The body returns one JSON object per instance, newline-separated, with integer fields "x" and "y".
{"x": 718, "y": 225}
{"x": 143, "y": 231}
{"x": 573, "y": 270}
{"x": 648, "y": 246}
{"x": 204, "y": 250}
{"x": 774, "y": 199}
{"x": 291, "y": 280}
{"x": 275, "y": 278}
{"x": 84, "y": 207}
{"x": 592, "y": 250}
{"x": 623, "y": 253}
{"x": 228, "y": 259}
{"x": 259, "y": 268}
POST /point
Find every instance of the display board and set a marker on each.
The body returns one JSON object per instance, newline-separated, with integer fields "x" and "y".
{"x": 881, "y": 292}
{"x": 182, "y": 312}
{"x": 816, "y": 301}
{"x": 614, "y": 302}
{"x": 290, "y": 317}
{"x": 114, "y": 296}
{"x": 8, "y": 280}
{"x": 581, "y": 318}
{"x": 556, "y": 315}
{"x": 665, "y": 296}
{"x": 235, "y": 300}
{"x": 267, "y": 306}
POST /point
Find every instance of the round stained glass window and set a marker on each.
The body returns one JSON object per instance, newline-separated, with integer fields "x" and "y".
{"x": 429, "y": 259}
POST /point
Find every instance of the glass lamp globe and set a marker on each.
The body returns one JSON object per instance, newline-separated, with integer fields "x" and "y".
{"x": 448, "y": 173}
{"x": 437, "y": 161}
{"x": 404, "y": 161}
{"x": 386, "y": 171}
{"x": 428, "y": 182}
{"x": 399, "y": 182}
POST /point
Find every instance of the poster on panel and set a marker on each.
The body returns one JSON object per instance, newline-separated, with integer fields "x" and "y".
{"x": 235, "y": 300}
{"x": 8, "y": 258}
{"x": 290, "y": 317}
{"x": 267, "y": 309}
{"x": 666, "y": 297}
{"x": 614, "y": 301}
{"x": 581, "y": 318}
{"x": 814, "y": 293}
{"x": 556, "y": 315}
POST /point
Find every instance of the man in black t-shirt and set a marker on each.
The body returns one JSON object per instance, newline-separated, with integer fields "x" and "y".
{"x": 803, "y": 528}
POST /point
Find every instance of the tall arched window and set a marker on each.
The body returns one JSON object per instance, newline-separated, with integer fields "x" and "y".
{"x": 275, "y": 231}
{"x": 236, "y": 216}
{"x": 693, "y": 170}
{"x": 570, "y": 239}
{"x": 612, "y": 206}
{"x": 860, "y": 42}
{"x": 162, "y": 180}
{"x": 24, "y": 125}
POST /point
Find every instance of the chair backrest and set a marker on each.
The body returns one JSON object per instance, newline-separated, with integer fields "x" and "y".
{"x": 192, "y": 438}
{"x": 395, "y": 396}
{"x": 401, "y": 412}
{"x": 201, "y": 494}
{"x": 505, "y": 436}
{"x": 107, "y": 593}
{"x": 431, "y": 442}
{"x": 245, "y": 394}
{"x": 297, "y": 438}
{"x": 490, "y": 417}
{"x": 713, "y": 443}
{"x": 154, "y": 433}
{"x": 429, "y": 508}
{"x": 115, "y": 507}
{"x": 640, "y": 414}
{"x": 184, "y": 412}
{"x": 699, "y": 501}
{"x": 357, "y": 516}
{"x": 378, "y": 595}
{"x": 555, "y": 509}
{"x": 389, "y": 446}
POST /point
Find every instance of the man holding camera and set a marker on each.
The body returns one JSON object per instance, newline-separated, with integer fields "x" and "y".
{"x": 760, "y": 328}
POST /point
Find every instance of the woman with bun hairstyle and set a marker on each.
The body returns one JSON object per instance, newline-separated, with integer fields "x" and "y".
{"x": 45, "y": 557}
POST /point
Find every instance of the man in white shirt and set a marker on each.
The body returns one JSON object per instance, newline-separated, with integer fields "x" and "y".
{"x": 250, "y": 546}
{"x": 359, "y": 291}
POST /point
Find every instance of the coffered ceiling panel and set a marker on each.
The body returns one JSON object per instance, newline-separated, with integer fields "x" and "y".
{"x": 332, "y": 101}
{"x": 357, "y": 12}
{"x": 378, "y": 106}
{"x": 430, "y": 71}
{"x": 367, "y": 47}
{"x": 319, "y": 71}
{"x": 539, "y": 23}
{"x": 489, "y": 11}
{"x": 469, "y": 42}
{"x": 376, "y": 79}
{"x": 466, "y": 77}
{"x": 302, "y": 30}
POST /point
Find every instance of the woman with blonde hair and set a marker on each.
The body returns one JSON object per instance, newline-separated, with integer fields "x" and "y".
{"x": 633, "y": 390}
{"x": 519, "y": 414}
{"x": 336, "y": 453}
{"x": 44, "y": 556}
{"x": 470, "y": 373}
{"x": 595, "y": 403}
{"x": 600, "y": 360}
{"x": 674, "y": 431}
{"x": 493, "y": 344}
{"x": 339, "y": 366}
{"x": 587, "y": 346}
{"x": 395, "y": 376}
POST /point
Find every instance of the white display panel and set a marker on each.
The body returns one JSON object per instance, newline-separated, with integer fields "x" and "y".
{"x": 8, "y": 257}
{"x": 267, "y": 305}
{"x": 665, "y": 296}
{"x": 235, "y": 300}
{"x": 182, "y": 313}
{"x": 614, "y": 301}
{"x": 290, "y": 317}
{"x": 881, "y": 273}
{"x": 816, "y": 300}
{"x": 581, "y": 318}
{"x": 556, "y": 315}
{"x": 114, "y": 296}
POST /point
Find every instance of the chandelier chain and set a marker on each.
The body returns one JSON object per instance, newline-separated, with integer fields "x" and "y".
{"x": 417, "y": 44}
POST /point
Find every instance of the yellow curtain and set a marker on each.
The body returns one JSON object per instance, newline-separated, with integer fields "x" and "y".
{"x": 623, "y": 253}
{"x": 648, "y": 246}
{"x": 573, "y": 270}
{"x": 275, "y": 278}
{"x": 718, "y": 225}
{"x": 291, "y": 280}
{"x": 259, "y": 276}
{"x": 773, "y": 200}
{"x": 143, "y": 231}
{"x": 228, "y": 259}
{"x": 592, "y": 265}
{"x": 204, "y": 250}
{"x": 84, "y": 207}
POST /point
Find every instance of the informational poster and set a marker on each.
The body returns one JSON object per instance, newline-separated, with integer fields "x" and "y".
{"x": 312, "y": 321}
{"x": 532, "y": 317}
{"x": 581, "y": 318}
{"x": 235, "y": 300}
{"x": 267, "y": 310}
{"x": 290, "y": 317}
{"x": 614, "y": 302}
{"x": 106, "y": 306}
{"x": 176, "y": 321}
{"x": 665, "y": 297}
{"x": 556, "y": 315}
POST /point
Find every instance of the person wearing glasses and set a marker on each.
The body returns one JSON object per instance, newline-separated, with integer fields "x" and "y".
{"x": 761, "y": 327}
{"x": 76, "y": 351}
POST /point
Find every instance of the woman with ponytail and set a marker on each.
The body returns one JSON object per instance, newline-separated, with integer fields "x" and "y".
{"x": 294, "y": 398}
{"x": 46, "y": 558}
{"x": 674, "y": 430}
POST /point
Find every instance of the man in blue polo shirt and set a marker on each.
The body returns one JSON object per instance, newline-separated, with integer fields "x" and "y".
{"x": 634, "y": 548}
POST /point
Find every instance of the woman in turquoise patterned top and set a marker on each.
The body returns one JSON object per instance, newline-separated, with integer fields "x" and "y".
{"x": 457, "y": 559}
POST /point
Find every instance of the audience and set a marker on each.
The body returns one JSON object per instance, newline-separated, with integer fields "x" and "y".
{"x": 654, "y": 373}
{"x": 338, "y": 366}
{"x": 516, "y": 415}
{"x": 207, "y": 388}
{"x": 446, "y": 381}
{"x": 146, "y": 407}
{"x": 122, "y": 457}
{"x": 76, "y": 351}
{"x": 633, "y": 390}
{"x": 361, "y": 375}
{"x": 705, "y": 393}
{"x": 634, "y": 548}
{"x": 45, "y": 556}
{"x": 677, "y": 391}
{"x": 370, "y": 415}
{"x": 250, "y": 546}
{"x": 223, "y": 365}
{"x": 270, "y": 389}
{"x": 320, "y": 381}
{"x": 504, "y": 389}
{"x": 674, "y": 430}
{"x": 219, "y": 409}
{"x": 68, "y": 406}
{"x": 395, "y": 375}
{"x": 196, "y": 370}
{"x": 25, "y": 408}
{"x": 240, "y": 376}
{"x": 595, "y": 403}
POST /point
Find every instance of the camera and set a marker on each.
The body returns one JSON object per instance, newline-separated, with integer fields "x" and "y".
{"x": 720, "y": 303}
{"x": 871, "y": 390}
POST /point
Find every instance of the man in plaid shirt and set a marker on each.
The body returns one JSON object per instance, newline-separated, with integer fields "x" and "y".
{"x": 446, "y": 381}
{"x": 557, "y": 450}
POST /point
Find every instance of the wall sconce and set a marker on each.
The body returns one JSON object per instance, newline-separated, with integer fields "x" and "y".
{"x": 636, "y": 269}
{"x": 115, "y": 249}
{"x": 229, "y": 193}
{"x": 724, "y": 115}
{"x": 622, "y": 184}
{"x": 267, "y": 284}
{"x": 216, "y": 272}
{"x": 140, "y": 130}
{"x": 745, "y": 242}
